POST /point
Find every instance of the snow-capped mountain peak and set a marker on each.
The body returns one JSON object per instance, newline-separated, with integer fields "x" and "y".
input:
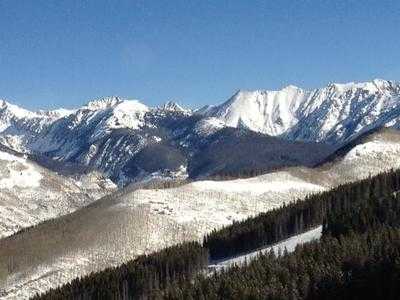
{"x": 271, "y": 112}
{"x": 107, "y": 114}
{"x": 173, "y": 106}
{"x": 14, "y": 110}
{"x": 103, "y": 103}
{"x": 291, "y": 87}
{"x": 117, "y": 104}
{"x": 11, "y": 114}
{"x": 128, "y": 114}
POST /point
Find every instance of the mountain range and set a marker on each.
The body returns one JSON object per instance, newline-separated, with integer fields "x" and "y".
{"x": 129, "y": 141}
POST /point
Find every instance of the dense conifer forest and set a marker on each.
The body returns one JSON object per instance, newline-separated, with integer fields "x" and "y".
{"x": 358, "y": 256}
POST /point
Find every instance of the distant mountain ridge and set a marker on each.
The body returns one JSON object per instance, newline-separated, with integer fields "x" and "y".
{"x": 128, "y": 140}
{"x": 331, "y": 114}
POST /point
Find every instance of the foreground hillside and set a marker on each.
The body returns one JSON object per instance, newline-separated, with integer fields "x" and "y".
{"x": 356, "y": 257}
{"x": 139, "y": 220}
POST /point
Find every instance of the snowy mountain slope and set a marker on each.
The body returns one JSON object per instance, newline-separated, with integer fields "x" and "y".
{"x": 377, "y": 151}
{"x": 17, "y": 125}
{"x": 348, "y": 110}
{"x": 135, "y": 221}
{"x": 331, "y": 114}
{"x": 10, "y": 113}
{"x": 30, "y": 194}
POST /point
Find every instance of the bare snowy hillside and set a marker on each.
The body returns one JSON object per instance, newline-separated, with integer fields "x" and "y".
{"x": 30, "y": 194}
{"x": 139, "y": 220}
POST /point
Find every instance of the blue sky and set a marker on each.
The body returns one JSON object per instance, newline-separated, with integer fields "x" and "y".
{"x": 64, "y": 53}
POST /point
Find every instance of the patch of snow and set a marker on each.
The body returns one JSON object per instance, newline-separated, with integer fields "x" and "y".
{"x": 208, "y": 126}
{"x": 157, "y": 139}
{"x": 257, "y": 185}
{"x": 24, "y": 176}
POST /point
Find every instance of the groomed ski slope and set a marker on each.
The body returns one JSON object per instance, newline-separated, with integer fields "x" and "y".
{"x": 288, "y": 245}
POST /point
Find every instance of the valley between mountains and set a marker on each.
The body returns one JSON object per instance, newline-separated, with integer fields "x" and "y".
{"x": 94, "y": 187}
